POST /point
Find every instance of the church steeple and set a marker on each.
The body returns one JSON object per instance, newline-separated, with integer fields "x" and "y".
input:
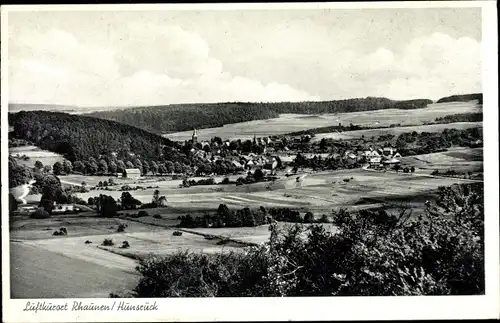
{"x": 195, "y": 136}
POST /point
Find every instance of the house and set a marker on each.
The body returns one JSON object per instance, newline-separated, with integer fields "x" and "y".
{"x": 133, "y": 173}
{"x": 375, "y": 160}
{"x": 371, "y": 153}
{"x": 397, "y": 155}
{"x": 271, "y": 165}
{"x": 250, "y": 164}
{"x": 388, "y": 151}
{"x": 64, "y": 208}
{"x": 391, "y": 162}
{"x": 237, "y": 164}
{"x": 351, "y": 158}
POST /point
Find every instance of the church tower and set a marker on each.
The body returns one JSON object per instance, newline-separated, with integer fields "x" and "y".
{"x": 195, "y": 137}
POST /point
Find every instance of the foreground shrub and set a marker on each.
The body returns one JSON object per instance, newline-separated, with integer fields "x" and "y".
{"x": 372, "y": 253}
{"x": 186, "y": 274}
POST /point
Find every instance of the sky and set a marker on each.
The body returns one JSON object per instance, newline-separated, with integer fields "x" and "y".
{"x": 124, "y": 58}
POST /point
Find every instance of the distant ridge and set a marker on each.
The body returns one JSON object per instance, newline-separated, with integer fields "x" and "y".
{"x": 182, "y": 117}
{"x": 462, "y": 98}
{"x": 16, "y": 107}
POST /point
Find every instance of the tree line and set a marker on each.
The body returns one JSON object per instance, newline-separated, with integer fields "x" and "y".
{"x": 372, "y": 253}
{"x": 461, "y": 117}
{"x": 462, "y": 98}
{"x": 172, "y": 118}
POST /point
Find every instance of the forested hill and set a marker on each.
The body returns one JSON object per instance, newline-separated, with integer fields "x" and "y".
{"x": 80, "y": 137}
{"x": 172, "y": 118}
{"x": 463, "y": 98}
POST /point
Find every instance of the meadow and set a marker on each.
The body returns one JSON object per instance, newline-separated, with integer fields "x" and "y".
{"x": 287, "y": 123}
{"x": 34, "y": 153}
{"x": 357, "y": 134}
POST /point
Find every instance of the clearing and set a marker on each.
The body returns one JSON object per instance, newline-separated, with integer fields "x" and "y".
{"x": 34, "y": 153}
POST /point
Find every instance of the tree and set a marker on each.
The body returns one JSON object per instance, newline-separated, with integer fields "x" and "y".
{"x": 67, "y": 166}
{"x": 309, "y": 217}
{"x": 177, "y": 168}
{"x": 129, "y": 164}
{"x": 169, "y": 166}
{"x": 120, "y": 166}
{"x": 78, "y": 166}
{"x": 412, "y": 169}
{"x": 57, "y": 168}
{"x": 112, "y": 166}
{"x": 92, "y": 168}
{"x": 258, "y": 175}
{"x": 47, "y": 168}
{"x": 154, "y": 167}
{"x": 18, "y": 174}
{"x": 128, "y": 201}
{"x": 13, "y": 203}
{"x": 103, "y": 167}
{"x": 158, "y": 200}
{"x": 145, "y": 167}
{"x": 107, "y": 206}
{"x": 38, "y": 165}
{"x": 162, "y": 169}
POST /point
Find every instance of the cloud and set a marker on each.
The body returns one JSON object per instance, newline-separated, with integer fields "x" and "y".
{"x": 150, "y": 64}
{"x": 153, "y": 66}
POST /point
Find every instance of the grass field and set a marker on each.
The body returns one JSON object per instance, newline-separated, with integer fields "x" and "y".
{"x": 458, "y": 159}
{"x": 287, "y": 123}
{"x": 396, "y": 130}
{"x": 39, "y": 273}
{"x": 34, "y": 153}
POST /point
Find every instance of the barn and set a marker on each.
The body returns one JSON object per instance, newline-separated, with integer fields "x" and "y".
{"x": 133, "y": 173}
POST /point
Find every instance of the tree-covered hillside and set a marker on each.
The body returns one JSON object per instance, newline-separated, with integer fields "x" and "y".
{"x": 79, "y": 137}
{"x": 462, "y": 98}
{"x": 163, "y": 119}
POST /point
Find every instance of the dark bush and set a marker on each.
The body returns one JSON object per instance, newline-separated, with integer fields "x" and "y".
{"x": 40, "y": 213}
{"x": 121, "y": 227}
{"x": 125, "y": 245}
{"x": 157, "y": 216}
{"x": 177, "y": 233}
{"x": 142, "y": 213}
{"x": 309, "y": 217}
{"x": 108, "y": 242}
{"x": 88, "y": 242}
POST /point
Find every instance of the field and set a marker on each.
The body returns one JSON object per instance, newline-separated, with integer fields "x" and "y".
{"x": 319, "y": 191}
{"x": 34, "y": 153}
{"x": 39, "y": 273}
{"x": 458, "y": 159}
{"x": 47, "y": 266}
{"x": 395, "y": 130}
{"x": 287, "y": 123}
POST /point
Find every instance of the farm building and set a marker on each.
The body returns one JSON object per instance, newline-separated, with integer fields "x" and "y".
{"x": 271, "y": 165}
{"x": 64, "y": 208}
{"x": 391, "y": 162}
{"x": 132, "y": 173}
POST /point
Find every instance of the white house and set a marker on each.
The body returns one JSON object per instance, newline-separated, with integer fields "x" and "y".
{"x": 133, "y": 173}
